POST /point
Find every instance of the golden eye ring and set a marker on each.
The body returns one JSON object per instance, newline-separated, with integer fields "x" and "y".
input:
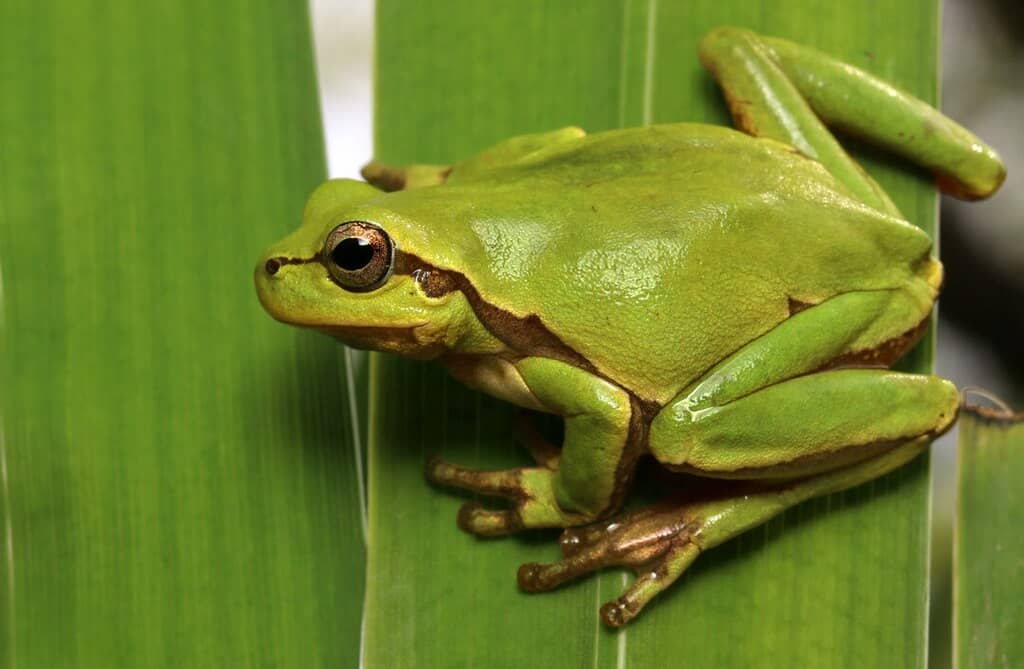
{"x": 359, "y": 256}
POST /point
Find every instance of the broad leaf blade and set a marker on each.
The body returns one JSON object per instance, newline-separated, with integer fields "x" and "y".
{"x": 180, "y": 485}
{"x": 837, "y": 582}
{"x": 988, "y": 576}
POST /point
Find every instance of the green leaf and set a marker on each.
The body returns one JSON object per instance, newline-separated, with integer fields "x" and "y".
{"x": 836, "y": 582}
{"x": 988, "y": 578}
{"x": 179, "y": 484}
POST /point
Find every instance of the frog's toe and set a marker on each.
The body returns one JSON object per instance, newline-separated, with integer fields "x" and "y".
{"x": 649, "y": 582}
{"x": 505, "y": 483}
{"x": 526, "y": 512}
{"x": 487, "y": 523}
{"x": 539, "y": 577}
{"x": 529, "y": 490}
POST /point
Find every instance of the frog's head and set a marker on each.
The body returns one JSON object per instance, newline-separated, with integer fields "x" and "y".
{"x": 353, "y": 270}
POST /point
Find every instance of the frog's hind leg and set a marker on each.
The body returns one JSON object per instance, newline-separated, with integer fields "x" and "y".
{"x": 660, "y": 542}
{"x": 806, "y": 425}
{"x": 765, "y": 103}
{"x": 774, "y": 89}
{"x": 778, "y": 407}
{"x": 867, "y": 107}
{"x": 871, "y": 328}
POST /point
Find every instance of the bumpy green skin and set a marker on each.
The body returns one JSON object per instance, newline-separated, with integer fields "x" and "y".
{"x": 682, "y": 290}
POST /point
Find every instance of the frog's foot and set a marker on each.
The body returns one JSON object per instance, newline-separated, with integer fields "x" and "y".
{"x": 661, "y": 541}
{"x": 530, "y": 491}
{"x": 658, "y": 542}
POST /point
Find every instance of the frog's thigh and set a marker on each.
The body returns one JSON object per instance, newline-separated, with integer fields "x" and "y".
{"x": 872, "y": 326}
{"x": 596, "y": 465}
{"x": 806, "y": 425}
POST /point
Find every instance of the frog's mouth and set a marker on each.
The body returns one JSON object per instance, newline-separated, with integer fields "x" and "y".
{"x": 401, "y": 340}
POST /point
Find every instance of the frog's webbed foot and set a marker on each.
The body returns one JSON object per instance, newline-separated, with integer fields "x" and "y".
{"x": 529, "y": 489}
{"x": 658, "y": 542}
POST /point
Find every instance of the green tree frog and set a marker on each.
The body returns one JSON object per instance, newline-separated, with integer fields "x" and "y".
{"x": 725, "y": 301}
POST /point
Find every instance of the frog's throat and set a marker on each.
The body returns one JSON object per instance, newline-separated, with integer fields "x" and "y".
{"x": 399, "y": 340}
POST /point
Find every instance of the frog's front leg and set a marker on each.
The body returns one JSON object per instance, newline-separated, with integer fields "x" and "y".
{"x": 407, "y": 177}
{"x": 590, "y": 477}
{"x": 500, "y": 155}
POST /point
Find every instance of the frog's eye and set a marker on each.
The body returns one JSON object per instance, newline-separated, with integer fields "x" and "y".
{"x": 359, "y": 256}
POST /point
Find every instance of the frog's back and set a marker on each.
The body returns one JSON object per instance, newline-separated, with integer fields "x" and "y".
{"x": 656, "y": 252}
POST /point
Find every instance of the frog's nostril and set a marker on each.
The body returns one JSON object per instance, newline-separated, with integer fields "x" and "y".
{"x": 272, "y": 266}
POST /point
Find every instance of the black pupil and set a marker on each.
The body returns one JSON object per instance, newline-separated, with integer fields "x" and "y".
{"x": 352, "y": 254}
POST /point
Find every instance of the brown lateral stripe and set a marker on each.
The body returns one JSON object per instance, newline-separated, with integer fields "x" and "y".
{"x": 525, "y": 335}
{"x": 528, "y": 335}
{"x": 273, "y": 265}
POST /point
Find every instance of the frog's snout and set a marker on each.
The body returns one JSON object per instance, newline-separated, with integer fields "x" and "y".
{"x": 275, "y": 289}
{"x": 264, "y": 271}
{"x": 272, "y": 282}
